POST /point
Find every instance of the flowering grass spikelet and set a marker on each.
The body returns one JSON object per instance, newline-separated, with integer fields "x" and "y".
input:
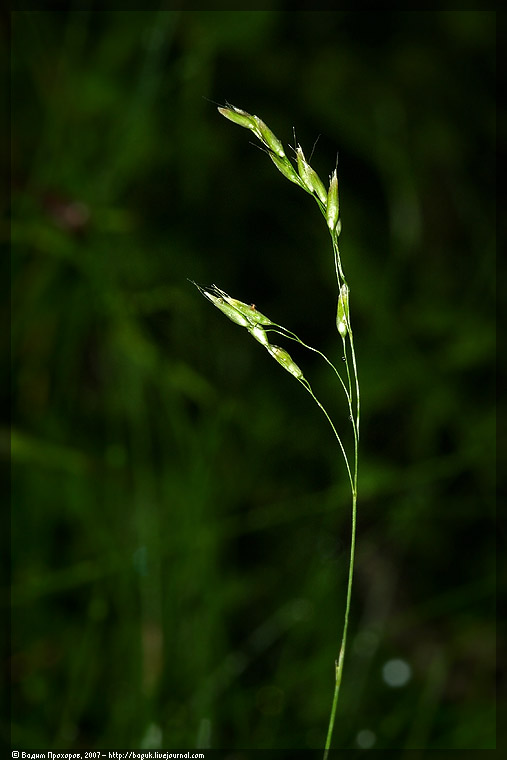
{"x": 284, "y": 358}
{"x": 342, "y": 312}
{"x": 238, "y": 116}
{"x": 259, "y": 333}
{"x": 237, "y": 311}
{"x": 333, "y": 206}
{"x": 310, "y": 177}
{"x": 249, "y": 121}
{"x": 229, "y": 311}
{"x": 248, "y": 310}
{"x": 284, "y": 165}
{"x": 269, "y": 138}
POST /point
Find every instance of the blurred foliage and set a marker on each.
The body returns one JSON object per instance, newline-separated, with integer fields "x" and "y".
{"x": 181, "y": 518}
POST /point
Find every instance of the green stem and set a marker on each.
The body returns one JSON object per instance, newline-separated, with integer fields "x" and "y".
{"x": 339, "y": 665}
{"x": 308, "y": 387}
{"x": 355, "y": 425}
{"x": 340, "y": 278}
{"x": 348, "y": 393}
{"x": 356, "y": 376}
{"x": 292, "y": 336}
{"x": 353, "y": 483}
{"x": 337, "y": 259}
{"x": 346, "y": 360}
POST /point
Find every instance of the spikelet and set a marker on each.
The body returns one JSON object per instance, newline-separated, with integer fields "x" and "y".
{"x": 284, "y": 358}
{"x": 310, "y": 177}
{"x": 333, "y": 205}
{"x": 342, "y": 312}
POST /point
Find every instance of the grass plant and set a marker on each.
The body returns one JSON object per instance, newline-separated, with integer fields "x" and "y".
{"x": 179, "y": 508}
{"x": 261, "y": 327}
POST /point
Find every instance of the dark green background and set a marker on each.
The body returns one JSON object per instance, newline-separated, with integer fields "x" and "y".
{"x": 181, "y": 517}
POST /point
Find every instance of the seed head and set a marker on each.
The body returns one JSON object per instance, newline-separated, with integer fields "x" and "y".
{"x": 342, "y": 312}
{"x": 238, "y": 116}
{"x": 284, "y": 165}
{"x": 259, "y": 334}
{"x": 333, "y": 206}
{"x": 268, "y": 138}
{"x": 248, "y": 310}
{"x": 243, "y": 314}
{"x": 284, "y": 358}
{"x": 228, "y": 310}
{"x": 310, "y": 177}
{"x": 218, "y": 299}
{"x": 261, "y": 130}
